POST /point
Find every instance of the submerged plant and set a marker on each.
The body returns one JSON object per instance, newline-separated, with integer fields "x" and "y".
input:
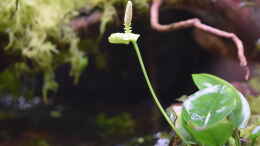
{"x": 213, "y": 116}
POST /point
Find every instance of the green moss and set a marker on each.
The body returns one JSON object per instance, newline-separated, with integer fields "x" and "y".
{"x": 39, "y": 31}
{"x": 12, "y": 81}
{"x": 36, "y": 142}
{"x": 122, "y": 124}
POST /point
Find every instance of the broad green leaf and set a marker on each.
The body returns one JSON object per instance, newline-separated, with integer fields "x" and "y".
{"x": 214, "y": 135}
{"x": 241, "y": 114}
{"x": 204, "y": 115}
{"x": 209, "y": 105}
{"x": 206, "y": 80}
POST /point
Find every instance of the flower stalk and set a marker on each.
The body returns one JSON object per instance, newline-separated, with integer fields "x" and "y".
{"x": 128, "y": 37}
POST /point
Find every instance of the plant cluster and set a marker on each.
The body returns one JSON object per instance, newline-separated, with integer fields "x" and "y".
{"x": 216, "y": 115}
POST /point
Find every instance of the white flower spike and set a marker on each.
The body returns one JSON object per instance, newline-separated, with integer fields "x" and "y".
{"x": 128, "y": 17}
{"x": 127, "y": 36}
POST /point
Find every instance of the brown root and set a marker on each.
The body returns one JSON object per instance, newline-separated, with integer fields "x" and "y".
{"x": 84, "y": 22}
{"x": 195, "y": 22}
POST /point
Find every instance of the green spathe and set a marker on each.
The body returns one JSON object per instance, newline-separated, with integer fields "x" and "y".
{"x": 123, "y": 38}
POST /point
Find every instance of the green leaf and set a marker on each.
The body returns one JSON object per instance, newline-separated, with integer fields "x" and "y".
{"x": 206, "y": 80}
{"x": 204, "y": 115}
{"x": 208, "y": 106}
{"x": 214, "y": 135}
{"x": 241, "y": 114}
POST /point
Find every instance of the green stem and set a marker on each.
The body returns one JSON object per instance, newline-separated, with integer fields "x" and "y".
{"x": 253, "y": 142}
{"x": 237, "y": 138}
{"x": 157, "y": 102}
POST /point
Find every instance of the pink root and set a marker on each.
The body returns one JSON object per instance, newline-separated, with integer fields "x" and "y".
{"x": 84, "y": 22}
{"x": 195, "y": 22}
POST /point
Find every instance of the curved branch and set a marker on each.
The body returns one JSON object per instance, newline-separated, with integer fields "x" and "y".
{"x": 195, "y": 22}
{"x": 84, "y": 22}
